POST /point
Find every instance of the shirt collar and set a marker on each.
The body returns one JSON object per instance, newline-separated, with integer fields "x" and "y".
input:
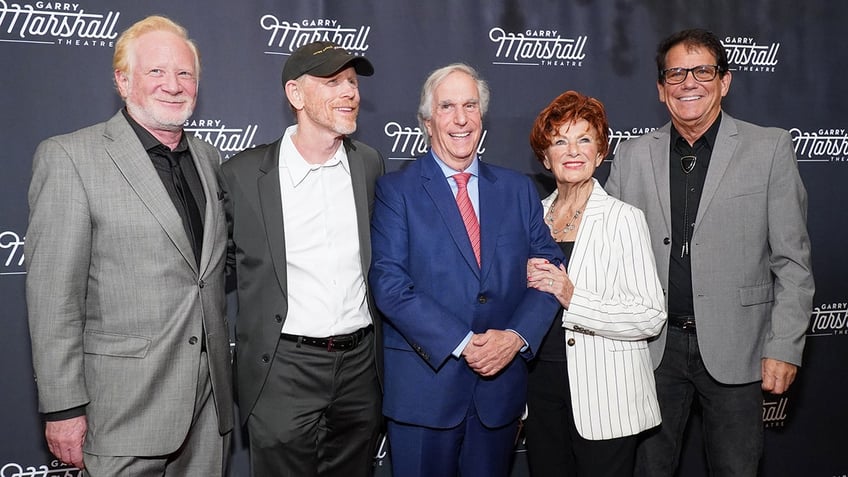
{"x": 293, "y": 164}
{"x": 473, "y": 168}
{"x": 149, "y": 141}
{"x": 708, "y": 138}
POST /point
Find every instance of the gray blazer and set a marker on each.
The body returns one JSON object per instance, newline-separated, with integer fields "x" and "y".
{"x": 117, "y": 305}
{"x": 257, "y": 254}
{"x": 751, "y": 275}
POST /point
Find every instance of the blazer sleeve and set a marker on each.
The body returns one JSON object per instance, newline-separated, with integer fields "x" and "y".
{"x": 790, "y": 257}
{"x": 58, "y": 251}
{"x": 626, "y": 301}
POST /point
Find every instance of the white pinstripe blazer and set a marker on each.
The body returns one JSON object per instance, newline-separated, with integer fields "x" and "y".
{"x": 618, "y": 304}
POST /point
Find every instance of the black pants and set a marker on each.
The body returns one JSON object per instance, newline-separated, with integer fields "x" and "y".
{"x": 554, "y": 447}
{"x": 318, "y": 414}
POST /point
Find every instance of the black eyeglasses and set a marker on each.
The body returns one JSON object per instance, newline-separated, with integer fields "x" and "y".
{"x": 702, "y": 73}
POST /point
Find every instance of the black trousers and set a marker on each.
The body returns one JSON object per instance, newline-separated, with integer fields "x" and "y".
{"x": 318, "y": 414}
{"x": 554, "y": 447}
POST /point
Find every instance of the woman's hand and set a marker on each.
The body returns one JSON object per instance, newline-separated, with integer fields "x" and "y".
{"x": 547, "y": 277}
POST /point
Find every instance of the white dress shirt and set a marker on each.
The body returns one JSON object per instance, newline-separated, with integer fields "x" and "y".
{"x": 326, "y": 286}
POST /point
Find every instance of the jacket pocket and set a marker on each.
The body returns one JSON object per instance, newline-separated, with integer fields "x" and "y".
{"x": 756, "y": 295}
{"x": 620, "y": 345}
{"x": 114, "y": 344}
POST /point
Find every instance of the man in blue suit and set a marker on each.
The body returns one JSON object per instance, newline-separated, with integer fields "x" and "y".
{"x": 460, "y": 320}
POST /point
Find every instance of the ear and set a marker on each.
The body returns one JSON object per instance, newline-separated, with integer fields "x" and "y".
{"x": 725, "y": 83}
{"x": 547, "y": 163}
{"x": 294, "y": 94}
{"x": 428, "y": 127}
{"x": 122, "y": 82}
{"x": 599, "y": 160}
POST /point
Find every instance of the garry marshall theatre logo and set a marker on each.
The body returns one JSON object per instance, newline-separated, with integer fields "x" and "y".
{"x": 823, "y": 145}
{"x": 537, "y": 48}
{"x": 774, "y": 411}
{"x": 56, "y": 469}
{"x": 287, "y": 36}
{"x": 617, "y": 137}
{"x": 829, "y": 319}
{"x": 409, "y": 142}
{"x": 227, "y": 140}
{"x": 11, "y": 253}
{"x": 744, "y": 54}
{"x": 56, "y": 23}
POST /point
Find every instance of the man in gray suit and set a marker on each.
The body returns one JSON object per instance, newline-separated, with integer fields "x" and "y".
{"x": 307, "y": 331}
{"x": 125, "y": 256}
{"x": 727, "y": 213}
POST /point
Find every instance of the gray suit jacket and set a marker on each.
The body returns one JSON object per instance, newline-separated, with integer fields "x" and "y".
{"x": 117, "y": 305}
{"x": 257, "y": 254}
{"x": 751, "y": 275}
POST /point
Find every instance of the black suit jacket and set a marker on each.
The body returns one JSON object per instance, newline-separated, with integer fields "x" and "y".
{"x": 250, "y": 182}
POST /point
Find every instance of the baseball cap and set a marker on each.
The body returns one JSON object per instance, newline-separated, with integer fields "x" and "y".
{"x": 322, "y": 59}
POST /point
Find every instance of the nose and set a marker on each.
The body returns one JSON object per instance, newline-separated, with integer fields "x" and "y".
{"x": 349, "y": 90}
{"x": 172, "y": 83}
{"x": 689, "y": 81}
{"x": 460, "y": 117}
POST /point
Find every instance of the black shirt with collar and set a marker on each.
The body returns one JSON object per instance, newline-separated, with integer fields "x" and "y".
{"x": 159, "y": 156}
{"x": 685, "y": 192}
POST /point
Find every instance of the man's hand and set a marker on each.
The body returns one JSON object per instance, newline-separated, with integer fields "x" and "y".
{"x": 777, "y": 375}
{"x": 488, "y": 353}
{"x": 65, "y": 438}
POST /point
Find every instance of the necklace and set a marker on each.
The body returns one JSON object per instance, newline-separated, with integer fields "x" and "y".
{"x": 571, "y": 225}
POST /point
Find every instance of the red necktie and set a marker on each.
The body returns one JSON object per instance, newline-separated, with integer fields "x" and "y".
{"x": 466, "y": 209}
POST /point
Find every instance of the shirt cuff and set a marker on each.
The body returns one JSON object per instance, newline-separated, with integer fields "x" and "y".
{"x": 457, "y": 352}
{"x": 63, "y": 415}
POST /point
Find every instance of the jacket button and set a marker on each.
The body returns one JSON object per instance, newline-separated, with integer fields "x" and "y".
{"x": 278, "y": 318}
{"x": 192, "y": 340}
{"x": 481, "y": 299}
{"x": 666, "y": 241}
{"x": 265, "y": 358}
{"x": 201, "y": 283}
{"x": 570, "y": 341}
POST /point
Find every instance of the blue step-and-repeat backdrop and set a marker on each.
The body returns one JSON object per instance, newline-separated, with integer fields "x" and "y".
{"x": 788, "y": 59}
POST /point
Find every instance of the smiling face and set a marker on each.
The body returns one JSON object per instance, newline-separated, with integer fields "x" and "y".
{"x": 327, "y": 105}
{"x": 160, "y": 88}
{"x": 455, "y": 126}
{"x": 693, "y": 105}
{"x": 573, "y": 154}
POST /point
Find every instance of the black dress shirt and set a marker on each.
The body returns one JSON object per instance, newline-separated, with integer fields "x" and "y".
{"x": 685, "y": 190}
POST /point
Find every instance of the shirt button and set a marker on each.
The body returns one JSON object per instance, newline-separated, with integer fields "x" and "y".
{"x": 570, "y": 341}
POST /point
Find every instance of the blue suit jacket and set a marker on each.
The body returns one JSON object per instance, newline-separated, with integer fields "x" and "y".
{"x": 426, "y": 281}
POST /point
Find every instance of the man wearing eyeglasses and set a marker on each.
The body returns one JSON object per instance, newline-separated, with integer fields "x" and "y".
{"x": 727, "y": 213}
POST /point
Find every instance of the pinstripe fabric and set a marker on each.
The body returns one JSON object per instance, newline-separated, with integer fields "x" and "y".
{"x": 617, "y": 305}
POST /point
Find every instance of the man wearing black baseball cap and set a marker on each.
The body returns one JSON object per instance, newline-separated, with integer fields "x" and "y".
{"x": 308, "y": 333}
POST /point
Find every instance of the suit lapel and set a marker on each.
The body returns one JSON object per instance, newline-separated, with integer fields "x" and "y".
{"x": 493, "y": 201}
{"x": 589, "y": 233}
{"x": 270, "y": 202}
{"x": 659, "y": 149}
{"x": 125, "y": 149}
{"x": 720, "y": 158}
{"x": 437, "y": 188}
{"x": 360, "y": 201}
